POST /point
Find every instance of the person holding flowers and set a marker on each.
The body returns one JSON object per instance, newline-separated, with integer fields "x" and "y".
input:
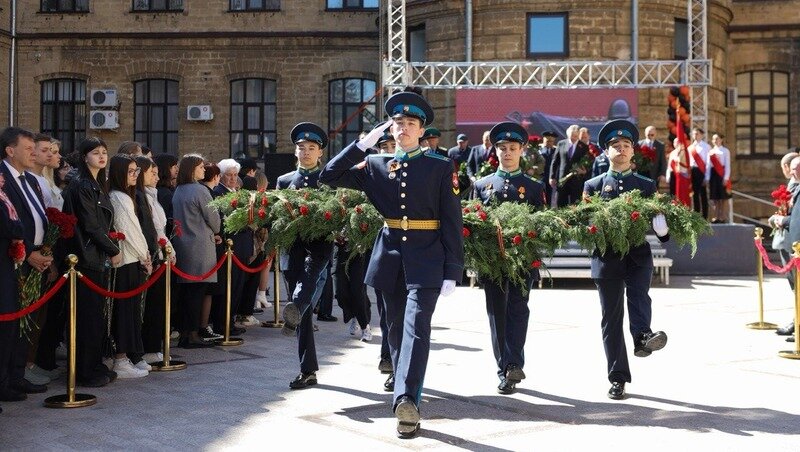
{"x": 615, "y": 274}
{"x": 507, "y": 304}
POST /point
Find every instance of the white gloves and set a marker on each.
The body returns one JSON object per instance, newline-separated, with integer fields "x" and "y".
{"x": 373, "y": 136}
{"x": 448, "y": 287}
{"x": 660, "y": 225}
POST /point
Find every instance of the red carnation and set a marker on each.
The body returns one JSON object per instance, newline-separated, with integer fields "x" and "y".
{"x": 592, "y": 229}
{"x": 536, "y": 264}
{"x": 359, "y": 209}
{"x": 477, "y": 207}
{"x": 328, "y": 215}
{"x": 363, "y": 227}
{"x": 63, "y": 221}
{"x": 482, "y": 215}
{"x": 635, "y": 215}
{"x": 17, "y": 251}
{"x": 303, "y": 210}
{"x": 466, "y": 232}
{"x": 466, "y": 210}
{"x": 531, "y": 234}
{"x": 162, "y": 242}
{"x": 234, "y": 202}
{"x": 262, "y": 213}
{"x": 176, "y": 228}
{"x": 517, "y": 239}
{"x": 264, "y": 201}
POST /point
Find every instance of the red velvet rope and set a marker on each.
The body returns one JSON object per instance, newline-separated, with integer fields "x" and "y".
{"x": 131, "y": 293}
{"x": 247, "y": 269}
{"x": 794, "y": 262}
{"x": 203, "y": 277}
{"x": 37, "y": 304}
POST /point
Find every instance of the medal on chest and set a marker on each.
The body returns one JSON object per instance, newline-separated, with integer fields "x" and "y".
{"x": 456, "y": 188}
{"x": 521, "y": 191}
{"x": 393, "y": 166}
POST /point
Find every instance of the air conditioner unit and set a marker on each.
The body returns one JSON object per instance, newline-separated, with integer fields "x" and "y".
{"x": 732, "y": 97}
{"x": 199, "y": 113}
{"x": 104, "y": 98}
{"x": 103, "y": 119}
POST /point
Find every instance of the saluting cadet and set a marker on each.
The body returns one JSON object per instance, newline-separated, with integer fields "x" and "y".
{"x": 506, "y": 304}
{"x": 430, "y": 140}
{"x": 419, "y": 254}
{"x": 614, "y": 274}
{"x": 307, "y": 260}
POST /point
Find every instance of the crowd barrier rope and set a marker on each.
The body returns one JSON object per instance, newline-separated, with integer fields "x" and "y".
{"x": 793, "y": 263}
{"x": 38, "y": 303}
{"x": 258, "y": 269}
{"x": 204, "y": 276}
{"x": 121, "y": 295}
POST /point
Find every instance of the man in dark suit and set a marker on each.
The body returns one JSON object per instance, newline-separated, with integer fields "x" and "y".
{"x": 548, "y": 151}
{"x": 658, "y": 168}
{"x": 568, "y": 153}
{"x": 459, "y": 153}
{"x": 478, "y": 155}
{"x": 25, "y": 194}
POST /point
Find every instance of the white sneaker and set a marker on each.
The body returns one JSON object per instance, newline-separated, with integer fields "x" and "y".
{"x": 143, "y": 365}
{"x": 355, "y": 330}
{"x": 366, "y": 335}
{"x": 250, "y": 321}
{"x": 125, "y": 369}
{"x": 153, "y": 357}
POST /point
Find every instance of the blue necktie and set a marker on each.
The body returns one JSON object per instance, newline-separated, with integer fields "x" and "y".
{"x": 32, "y": 200}
{"x": 571, "y": 151}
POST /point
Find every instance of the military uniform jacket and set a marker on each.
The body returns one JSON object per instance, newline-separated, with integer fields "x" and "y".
{"x": 420, "y": 188}
{"x": 297, "y": 179}
{"x": 515, "y": 186}
{"x": 609, "y": 186}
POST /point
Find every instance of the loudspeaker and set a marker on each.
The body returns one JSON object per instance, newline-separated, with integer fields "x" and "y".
{"x": 278, "y": 164}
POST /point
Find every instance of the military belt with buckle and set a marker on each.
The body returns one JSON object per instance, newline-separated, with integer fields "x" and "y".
{"x": 406, "y": 224}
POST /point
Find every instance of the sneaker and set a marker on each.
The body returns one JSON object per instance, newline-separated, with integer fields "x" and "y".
{"x": 35, "y": 378}
{"x": 354, "y": 328}
{"x": 61, "y": 351}
{"x": 153, "y": 357}
{"x": 207, "y": 334}
{"x": 175, "y": 334}
{"x": 143, "y": 365}
{"x": 51, "y": 374}
{"x": 366, "y": 334}
{"x": 250, "y": 321}
{"x": 125, "y": 369}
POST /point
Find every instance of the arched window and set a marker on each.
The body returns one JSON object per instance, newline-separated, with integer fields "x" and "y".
{"x": 64, "y": 111}
{"x": 345, "y": 113}
{"x": 155, "y": 114}
{"x": 254, "y": 123}
{"x": 762, "y": 113}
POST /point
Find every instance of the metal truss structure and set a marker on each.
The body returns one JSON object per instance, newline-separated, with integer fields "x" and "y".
{"x": 694, "y": 72}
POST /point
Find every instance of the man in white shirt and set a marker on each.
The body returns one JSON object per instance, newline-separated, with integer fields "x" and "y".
{"x": 698, "y": 160}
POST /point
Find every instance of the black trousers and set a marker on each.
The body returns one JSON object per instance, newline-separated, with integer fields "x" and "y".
{"x": 153, "y": 319}
{"x": 699, "y": 192}
{"x": 351, "y": 292}
{"x": 219, "y": 301}
{"x": 381, "y": 303}
{"x": 571, "y": 192}
{"x": 91, "y": 326}
{"x": 317, "y": 258}
{"x": 9, "y": 337}
{"x": 52, "y": 332}
{"x": 507, "y": 308}
{"x": 325, "y": 301}
{"x": 636, "y": 284}
{"x": 191, "y": 305}
{"x": 126, "y": 323}
{"x": 250, "y": 288}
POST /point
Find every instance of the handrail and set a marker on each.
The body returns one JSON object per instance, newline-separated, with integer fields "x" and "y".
{"x": 752, "y": 220}
{"x": 750, "y": 197}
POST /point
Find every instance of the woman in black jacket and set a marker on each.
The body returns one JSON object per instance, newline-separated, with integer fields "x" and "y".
{"x": 86, "y": 197}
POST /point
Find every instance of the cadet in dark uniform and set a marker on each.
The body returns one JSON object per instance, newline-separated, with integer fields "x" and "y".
{"x": 506, "y": 305}
{"x": 430, "y": 140}
{"x": 600, "y": 165}
{"x": 387, "y": 145}
{"x": 613, "y": 274}
{"x": 419, "y": 254}
{"x": 307, "y": 260}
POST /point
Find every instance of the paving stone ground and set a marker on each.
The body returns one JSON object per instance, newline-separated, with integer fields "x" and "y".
{"x": 716, "y": 386}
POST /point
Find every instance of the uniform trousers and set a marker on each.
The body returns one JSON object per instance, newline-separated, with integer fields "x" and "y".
{"x": 381, "y": 303}
{"x": 507, "y": 308}
{"x": 317, "y": 258}
{"x": 699, "y": 192}
{"x": 351, "y": 292}
{"x": 408, "y": 316}
{"x": 323, "y": 297}
{"x": 612, "y": 302}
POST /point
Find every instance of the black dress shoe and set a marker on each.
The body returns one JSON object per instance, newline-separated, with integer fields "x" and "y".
{"x": 101, "y": 369}
{"x": 385, "y": 366}
{"x": 10, "y": 395}
{"x": 790, "y": 339}
{"x": 617, "y": 391}
{"x": 388, "y": 385}
{"x": 291, "y": 315}
{"x": 258, "y": 311}
{"x": 95, "y": 381}
{"x": 507, "y": 386}
{"x": 27, "y": 387}
{"x": 515, "y": 373}
{"x": 186, "y": 343}
{"x": 649, "y": 342}
{"x": 407, "y": 415}
{"x": 303, "y": 381}
{"x": 326, "y": 318}
{"x": 786, "y": 330}
{"x": 235, "y": 331}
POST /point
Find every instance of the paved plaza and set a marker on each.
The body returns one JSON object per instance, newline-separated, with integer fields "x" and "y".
{"x": 716, "y": 386}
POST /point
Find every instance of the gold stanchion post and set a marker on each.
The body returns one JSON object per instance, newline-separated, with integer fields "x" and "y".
{"x": 167, "y": 364}
{"x": 228, "y": 340}
{"x": 70, "y": 399}
{"x": 277, "y": 323}
{"x": 761, "y": 324}
{"x": 795, "y": 354}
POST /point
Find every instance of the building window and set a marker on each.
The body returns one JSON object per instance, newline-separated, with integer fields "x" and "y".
{"x": 158, "y": 5}
{"x": 351, "y": 110}
{"x": 681, "y": 45}
{"x": 254, "y": 121}
{"x": 352, "y": 4}
{"x": 255, "y": 5}
{"x": 548, "y": 35}
{"x": 417, "y": 45}
{"x": 65, "y": 6}
{"x": 762, "y": 113}
{"x": 155, "y": 114}
{"x": 64, "y": 111}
